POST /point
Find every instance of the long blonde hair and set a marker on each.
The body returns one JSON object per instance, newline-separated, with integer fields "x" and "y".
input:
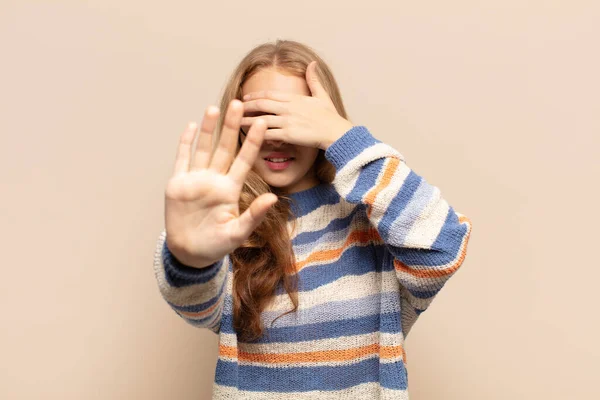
{"x": 266, "y": 258}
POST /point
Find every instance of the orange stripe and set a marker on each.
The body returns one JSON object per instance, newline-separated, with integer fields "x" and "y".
{"x": 227, "y": 351}
{"x": 355, "y": 236}
{"x": 371, "y": 234}
{"x": 432, "y": 273}
{"x": 390, "y": 168}
{"x": 385, "y": 352}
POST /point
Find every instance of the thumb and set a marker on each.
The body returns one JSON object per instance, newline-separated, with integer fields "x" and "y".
{"x": 314, "y": 84}
{"x": 255, "y": 214}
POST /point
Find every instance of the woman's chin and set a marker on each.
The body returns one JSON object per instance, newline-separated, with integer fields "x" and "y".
{"x": 279, "y": 181}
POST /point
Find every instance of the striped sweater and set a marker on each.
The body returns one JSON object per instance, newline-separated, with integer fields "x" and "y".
{"x": 372, "y": 248}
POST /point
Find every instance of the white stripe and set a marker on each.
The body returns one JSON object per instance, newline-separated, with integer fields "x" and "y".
{"x": 426, "y": 228}
{"x": 369, "y": 390}
{"x": 320, "y": 217}
{"x": 346, "y": 178}
{"x": 347, "y": 287}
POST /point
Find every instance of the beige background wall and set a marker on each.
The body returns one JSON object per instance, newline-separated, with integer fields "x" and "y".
{"x": 494, "y": 102}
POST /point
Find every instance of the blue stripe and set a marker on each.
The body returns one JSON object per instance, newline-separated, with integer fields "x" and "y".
{"x": 367, "y": 179}
{"x": 307, "y": 200}
{"x": 414, "y": 286}
{"x": 444, "y": 250}
{"x": 323, "y": 330}
{"x": 335, "y": 310}
{"x": 336, "y": 224}
{"x": 451, "y": 236}
{"x": 395, "y": 211}
{"x": 354, "y": 260}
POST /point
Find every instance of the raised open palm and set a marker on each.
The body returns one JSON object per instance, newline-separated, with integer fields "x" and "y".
{"x": 202, "y": 217}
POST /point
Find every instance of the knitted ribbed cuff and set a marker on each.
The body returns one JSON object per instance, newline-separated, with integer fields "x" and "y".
{"x": 349, "y": 145}
{"x": 179, "y": 274}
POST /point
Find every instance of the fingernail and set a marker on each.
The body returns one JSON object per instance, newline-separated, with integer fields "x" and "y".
{"x": 192, "y": 125}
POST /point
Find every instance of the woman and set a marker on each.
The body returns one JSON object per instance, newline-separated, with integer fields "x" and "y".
{"x": 308, "y": 245}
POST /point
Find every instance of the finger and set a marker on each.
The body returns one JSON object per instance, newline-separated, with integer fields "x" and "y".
{"x": 273, "y": 121}
{"x": 312, "y": 80}
{"x": 221, "y": 160}
{"x": 182, "y": 160}
{"x": 314, "y": 84}
{"x": 276, "y": 135}
{"x": 265, "y": 105}
{"x": 201, "y": 156}
{"x": 248, "y": 153}
{"x": 254, "y": 215}
{"x": 270, "y": 95}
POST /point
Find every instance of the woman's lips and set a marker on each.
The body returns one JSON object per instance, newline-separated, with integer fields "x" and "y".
{"x": 277, "y": 166}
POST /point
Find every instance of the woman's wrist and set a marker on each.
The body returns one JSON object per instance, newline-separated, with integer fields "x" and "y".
{"x": 336, "y": 132}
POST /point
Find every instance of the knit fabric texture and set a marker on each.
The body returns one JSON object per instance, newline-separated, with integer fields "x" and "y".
{"x": 373, "y": 248}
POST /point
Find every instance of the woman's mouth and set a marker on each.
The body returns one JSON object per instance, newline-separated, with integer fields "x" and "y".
{"x": 277, "y": 164}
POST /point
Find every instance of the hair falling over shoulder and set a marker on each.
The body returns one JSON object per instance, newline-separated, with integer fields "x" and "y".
{"x": 266, "y": 260}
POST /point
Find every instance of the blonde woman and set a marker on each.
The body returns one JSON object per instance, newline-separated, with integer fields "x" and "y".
{"x": 308, "y": 245}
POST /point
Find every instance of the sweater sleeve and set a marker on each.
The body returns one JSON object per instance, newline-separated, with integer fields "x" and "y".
{"x": 424, "y": 236}
{"x": 194, "y": 294}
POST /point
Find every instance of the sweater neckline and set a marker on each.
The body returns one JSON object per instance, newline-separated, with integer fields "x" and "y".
{"x": 306, "y": 200}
